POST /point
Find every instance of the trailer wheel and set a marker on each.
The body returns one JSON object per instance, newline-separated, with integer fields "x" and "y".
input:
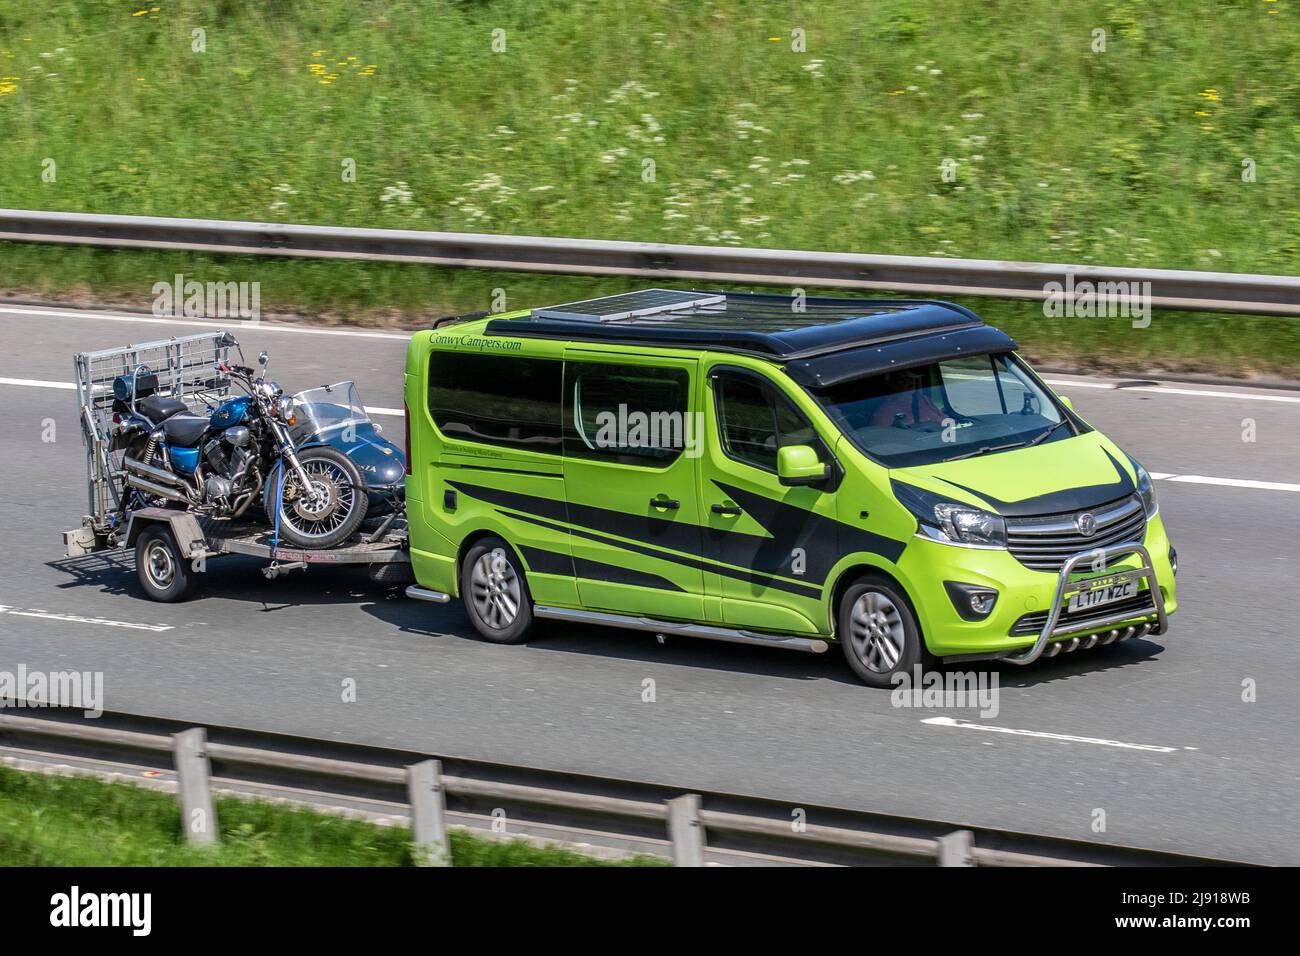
{"x": 163, "y": 573}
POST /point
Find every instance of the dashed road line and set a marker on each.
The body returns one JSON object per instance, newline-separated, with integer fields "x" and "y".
{"x": 202, "y": 323}
{"x": 80, "y": 619}
{"x": 1043, "y": 735}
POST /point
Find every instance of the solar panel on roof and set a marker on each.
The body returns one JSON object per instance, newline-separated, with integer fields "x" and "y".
{"x": 613, "y": 308}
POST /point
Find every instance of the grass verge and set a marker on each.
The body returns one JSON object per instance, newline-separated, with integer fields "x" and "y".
{"x": 48, "y": 820}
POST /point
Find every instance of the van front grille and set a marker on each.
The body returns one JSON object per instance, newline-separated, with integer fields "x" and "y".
{"x": 1046, "y": 542}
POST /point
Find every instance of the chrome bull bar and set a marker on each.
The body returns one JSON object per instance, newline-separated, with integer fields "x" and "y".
{"x": 1064, "y": 586}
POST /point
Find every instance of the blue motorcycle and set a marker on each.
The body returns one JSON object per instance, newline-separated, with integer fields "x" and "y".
{"x": 315, "y": 461}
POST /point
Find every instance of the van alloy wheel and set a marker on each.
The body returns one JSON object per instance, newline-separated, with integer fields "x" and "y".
{"x": 496, "y": 589}
{"x": 876, "y": 631}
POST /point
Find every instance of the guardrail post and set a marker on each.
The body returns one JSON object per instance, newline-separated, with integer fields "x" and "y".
{"x": 955, "y": 849}
{"x": 686, "y": 830}
{"x": 428, "y": 813}
{"x": 198, "y": 818}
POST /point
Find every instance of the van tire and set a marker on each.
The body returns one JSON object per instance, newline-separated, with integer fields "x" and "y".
{"x": 491, "y": 584}
{"x": 874, "y": 619}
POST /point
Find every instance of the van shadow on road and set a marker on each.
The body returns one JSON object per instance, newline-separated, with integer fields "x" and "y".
{"x": 234, "y": 578}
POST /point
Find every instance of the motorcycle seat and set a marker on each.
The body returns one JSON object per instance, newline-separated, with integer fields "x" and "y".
{"x": 157, "y": 408}
{"x": 184, "y": 430}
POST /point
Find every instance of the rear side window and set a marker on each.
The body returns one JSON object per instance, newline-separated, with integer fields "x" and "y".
{"x": 632, "y": 414}
{"x": 755, "y": 421}
{"x": 501, "y": 401}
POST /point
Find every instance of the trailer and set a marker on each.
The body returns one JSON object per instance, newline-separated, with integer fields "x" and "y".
{"x": 173, "y": 545}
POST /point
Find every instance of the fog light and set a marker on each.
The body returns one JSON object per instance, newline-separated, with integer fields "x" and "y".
{"x": 1173, "y": 560}
{"x": 972, "y": 602}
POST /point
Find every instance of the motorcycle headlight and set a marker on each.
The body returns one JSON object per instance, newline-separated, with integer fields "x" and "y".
{"x": 1146, "y": 491}
{"x": 952, "y": 522}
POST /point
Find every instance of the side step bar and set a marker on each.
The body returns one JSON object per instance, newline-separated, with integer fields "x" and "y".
{"x": 424, "y": 594}
{"x": 808, "y": 645}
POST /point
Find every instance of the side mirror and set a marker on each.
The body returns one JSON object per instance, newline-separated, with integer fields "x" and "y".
{"x": 798, "y": 465}
{"x": 1066, "y": 402}
{"x": 263, "y": 358}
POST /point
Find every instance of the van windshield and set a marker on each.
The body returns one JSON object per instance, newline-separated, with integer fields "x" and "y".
{"x": 960, "y": 408}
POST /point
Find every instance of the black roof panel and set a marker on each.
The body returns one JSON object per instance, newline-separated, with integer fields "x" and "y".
{"x": 847, "y": 364}
{"x": 777, "y": 325}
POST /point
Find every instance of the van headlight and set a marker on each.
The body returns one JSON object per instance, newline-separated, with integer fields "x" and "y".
{"x": 952, "y": 522}
{"x": 1146, "y": 491}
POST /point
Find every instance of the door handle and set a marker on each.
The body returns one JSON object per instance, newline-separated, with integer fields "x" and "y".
{"x": 671, "y": 504}
{"x": 729, "y": 511}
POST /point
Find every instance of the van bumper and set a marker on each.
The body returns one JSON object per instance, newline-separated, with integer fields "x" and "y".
{"x": 1030, "y": 618}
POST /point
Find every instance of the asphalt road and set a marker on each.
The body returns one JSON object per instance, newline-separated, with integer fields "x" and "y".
{"x": 1154, "y": 733}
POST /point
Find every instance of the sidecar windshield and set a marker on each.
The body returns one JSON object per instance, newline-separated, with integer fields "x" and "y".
{"x": 324, "y": 410}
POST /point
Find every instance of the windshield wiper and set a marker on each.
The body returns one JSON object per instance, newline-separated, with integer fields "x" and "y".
{"x": 1042, "y": 437}
{"x": 986, "y": 450}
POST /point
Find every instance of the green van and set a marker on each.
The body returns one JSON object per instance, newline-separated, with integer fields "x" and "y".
{"x": 774, "y": 470}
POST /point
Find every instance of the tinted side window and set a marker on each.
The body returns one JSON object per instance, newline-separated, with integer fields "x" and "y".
{"x": 755, "y": 421}
{"x": 634, "y": 414}
{"x": 501, "y": 401}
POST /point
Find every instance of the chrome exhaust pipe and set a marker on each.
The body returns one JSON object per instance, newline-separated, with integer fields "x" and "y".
{"x": 171, "y": 494}
{"x": 1090, "y": 641}
{"x": 1110, "y": 637}
{"x": 1128, "y": 632}
{"x": 149, "y": 471}
{"x": 1071, "y": 647}
{"x": 1052, "y": 649}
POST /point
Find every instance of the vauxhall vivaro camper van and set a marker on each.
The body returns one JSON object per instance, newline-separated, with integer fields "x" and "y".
{"x": 886, "y": 475}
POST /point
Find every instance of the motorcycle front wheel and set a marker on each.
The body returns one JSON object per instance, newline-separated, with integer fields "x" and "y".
{"x": 330, "y": 512}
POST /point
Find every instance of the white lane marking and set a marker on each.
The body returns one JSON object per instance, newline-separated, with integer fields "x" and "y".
{"x": 1173, "y": 390}
{"x": 1068, "y": 738}
{"x": 1232, "y": 482}
{"x": 79, "y": 619}
{"x": 38, "y": 383}
{"x": 1206, "y": 393}
{"x": 9, "y": 311}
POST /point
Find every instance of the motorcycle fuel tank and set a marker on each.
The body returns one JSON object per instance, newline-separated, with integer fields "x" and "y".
{"x": 233, "y": 411}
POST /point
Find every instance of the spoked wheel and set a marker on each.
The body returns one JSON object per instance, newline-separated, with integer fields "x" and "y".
{"x": 325, "y": 513}
{"x": 879, "y": 632}
{"x": 495, "y": 592}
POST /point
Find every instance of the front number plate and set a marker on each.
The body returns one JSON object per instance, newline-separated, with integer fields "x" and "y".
{"x": 1085, "y": 600}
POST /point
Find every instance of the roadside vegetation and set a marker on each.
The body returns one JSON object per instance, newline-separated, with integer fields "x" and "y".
{"x": 827, "y": 127}
{"x": 78, "y": 821}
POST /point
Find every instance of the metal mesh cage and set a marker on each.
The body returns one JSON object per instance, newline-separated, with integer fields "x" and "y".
{"x": 186, "y": 370}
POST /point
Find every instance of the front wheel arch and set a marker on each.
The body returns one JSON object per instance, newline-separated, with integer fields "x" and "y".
{"x": 850, "y": 574}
